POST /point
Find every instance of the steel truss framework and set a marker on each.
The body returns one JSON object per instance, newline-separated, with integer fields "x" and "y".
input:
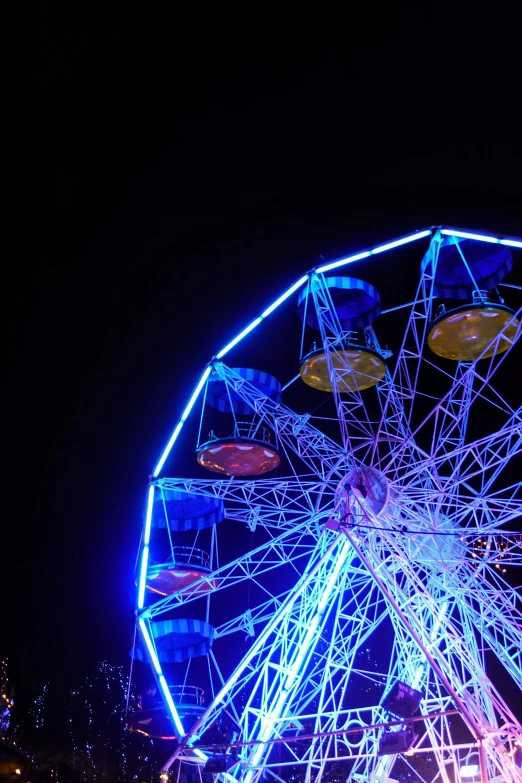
{"x": 421, "y": 582}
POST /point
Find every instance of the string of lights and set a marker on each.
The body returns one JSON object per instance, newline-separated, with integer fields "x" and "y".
{"x": 6, "y": 700}
{"x": 97, "y": 728}
{"x": 88, "y": 742}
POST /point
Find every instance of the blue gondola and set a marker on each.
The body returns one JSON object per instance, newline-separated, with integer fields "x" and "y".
{"x": 185, "y": 511}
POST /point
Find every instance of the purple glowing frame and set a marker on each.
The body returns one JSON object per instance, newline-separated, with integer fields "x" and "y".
{"x": 438, "y": 591}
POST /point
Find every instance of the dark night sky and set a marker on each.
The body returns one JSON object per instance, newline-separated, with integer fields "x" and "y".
{"x": 163, "y": 173}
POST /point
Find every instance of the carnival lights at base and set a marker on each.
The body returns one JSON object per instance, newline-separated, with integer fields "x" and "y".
{"x": 334, "y": 581}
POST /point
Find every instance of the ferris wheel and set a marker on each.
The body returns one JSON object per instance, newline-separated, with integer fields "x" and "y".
{"x": 330, "y": 591}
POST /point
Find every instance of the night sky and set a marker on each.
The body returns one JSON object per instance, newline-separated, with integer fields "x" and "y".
{"x": 167, "y": 176}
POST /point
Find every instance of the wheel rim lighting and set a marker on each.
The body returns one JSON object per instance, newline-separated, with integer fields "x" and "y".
{"x": 188, "y": 408}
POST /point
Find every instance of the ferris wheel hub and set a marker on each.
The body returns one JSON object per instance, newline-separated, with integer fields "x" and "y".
{"x": 364, "y": 490}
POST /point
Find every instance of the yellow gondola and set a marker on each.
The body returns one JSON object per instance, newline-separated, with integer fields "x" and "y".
{"x": 356, "y": 368}
{"x": 471, "y": 331}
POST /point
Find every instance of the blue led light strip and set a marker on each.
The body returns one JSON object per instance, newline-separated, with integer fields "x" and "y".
{"x": 457, "y": 232}
{"x": 239, "y": 337}
{"x": 466, "y": 235}
{"x": 375, "y": 250}
{"x": 161, "y": 678}
{"x": 145, "y": 554}
{"x": 263, "y": 315}
{"x": 179, "y": 425}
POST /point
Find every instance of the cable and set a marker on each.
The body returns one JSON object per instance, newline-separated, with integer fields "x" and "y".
{"x": 461, "y": 534}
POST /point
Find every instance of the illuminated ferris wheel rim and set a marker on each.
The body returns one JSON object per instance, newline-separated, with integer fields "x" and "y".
{"x": 142, "y": 580}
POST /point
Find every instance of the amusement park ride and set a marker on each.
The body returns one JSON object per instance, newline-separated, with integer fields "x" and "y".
{"x": 333, "y": 584}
